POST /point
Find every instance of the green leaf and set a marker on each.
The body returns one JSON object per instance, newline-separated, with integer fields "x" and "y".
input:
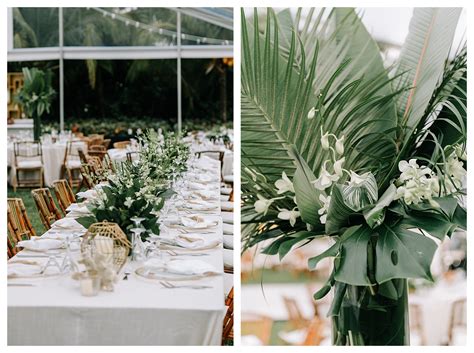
{"x": 86, "y": 221}
{"x": 388, "y": 290}
{"x": 307, "y": 197}
{"x": 423, "y": 57}
{"x": 338, "y": 212}
{"x": 330, "y": 252}
{"x": 375, "y": 216}
{"x": 402, "y": 254}
{"x": 296, "y": 238}
{"x": 353, "y": 257}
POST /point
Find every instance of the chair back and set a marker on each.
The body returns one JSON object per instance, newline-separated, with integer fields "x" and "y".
{"x": 47, "y": 209}
{"x": 106, "y": 143}
{"x": 12, "y": 235}
{"x": 96, "y": 140}
{"x": 295, "y": 317}
{"x": 21, "y": 220}
{"x": 82, "y": 157}
{"x": 27, "y": 151}
{"x": 132, "y": 156}
{"x": 458, "y": 317}
{"x": 314, "y": 334}
{"x": 227, "y": 331}
{"x": 257, "y": 325}
{"x": 121, "y": 144}
{"x": 87, "y": 172}
{"x": 73, "y": 150}
{"x": 64, "y": 194}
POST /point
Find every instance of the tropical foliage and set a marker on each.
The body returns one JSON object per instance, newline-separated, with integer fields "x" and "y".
{"x": 334, "y": 144}
{"x": 139, "y": 189}
{"x": 35, "y": 96}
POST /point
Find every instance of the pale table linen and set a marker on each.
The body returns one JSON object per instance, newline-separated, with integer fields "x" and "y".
{"x": 138, "y": 312}
{"x": 53, "y": 158}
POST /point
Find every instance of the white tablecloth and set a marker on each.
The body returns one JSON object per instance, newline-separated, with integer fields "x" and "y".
{"x": 138, "y": 312}
{"x": 436, "y": 305}
{"x": 53, "y": 159}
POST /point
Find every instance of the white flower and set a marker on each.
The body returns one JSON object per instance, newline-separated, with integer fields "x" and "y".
{"x": 128, "y": 201}
{"x": 311, "y": 113}
{"x": 454, "y": 167}
{"x": 340, "y": 145}
{"x": 325, "y": 179}
{"x": 326, "y": 200}
{"x": 357, "y": 180}
{"x": 325, "y": 140}
{"x": 289, "y": 215}
{"x": 460, "y": 152}
{"x": 283, "y": 185}
{"x": 338, "y": 166}
{"x": 411, "y": 170}
{"x": 262, "y": 205}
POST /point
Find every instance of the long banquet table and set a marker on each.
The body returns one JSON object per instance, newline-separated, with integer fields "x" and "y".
{"x": 138, "y": 312}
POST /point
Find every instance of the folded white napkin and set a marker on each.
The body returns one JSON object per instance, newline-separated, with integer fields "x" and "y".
{"x": 197, "y": 222}
{"x": 196, "y": 241}
{"x": 228, "y": 258}
{"x": 183, "y": 267}
{"x": 89, "y": 194}
{"x": 16, "y": 270}
{"x": 200, "y": 205}
{"x": 67, "y": 223}
{"x": 39, "y": 244}
{"x": 82, "y": 210}
{"x": 192, "y": 185}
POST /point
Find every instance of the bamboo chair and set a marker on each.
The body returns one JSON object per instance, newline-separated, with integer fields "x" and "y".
{"x": 416, "y": 325}
{"x": 130, "y": 156}
{"x": 314, "y": 335}
{"x": 64, "y": 194}
{"x": 20, "y": 218}
{"x": 458, "y": 319}
{"x": 95, "y": 140}
{"x": 106, "y": 143}
{"x": 87, "y": 175}
{"x": 28, "y": 159}
{"x": 257, "y": 325}
{"x": 97, "y": 151}
{"x": 72, "y": 163}
{"x": 121, "y": 144}
{"x": 12, "y": 235}
{"x": 295, "y": 316}
{"x": 228, "y": 328}
{"x": 47, "y": 209}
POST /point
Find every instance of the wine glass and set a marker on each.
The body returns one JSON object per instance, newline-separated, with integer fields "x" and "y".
{"x": 137, "y": 244}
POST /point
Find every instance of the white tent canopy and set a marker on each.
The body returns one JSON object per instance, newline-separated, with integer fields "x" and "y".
{"x": 209, "y": 48}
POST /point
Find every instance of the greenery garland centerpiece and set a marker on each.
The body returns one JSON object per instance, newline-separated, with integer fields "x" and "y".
{"x": 139, "y": 189}
{"x": 335, "y": 145}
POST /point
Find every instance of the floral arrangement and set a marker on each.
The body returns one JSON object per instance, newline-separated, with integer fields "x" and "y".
{"x": 373, "y": 160}
{"x": 139, "y": 189}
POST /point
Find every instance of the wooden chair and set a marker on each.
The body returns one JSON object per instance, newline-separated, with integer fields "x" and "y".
{"x": 97, "y": 151}
{"x": 21, "y": 220}
{"x": 457, "y": 321}
{"x": 131, "y": 156}
{"x": 416, "y": 326}
{"x": 228, "y": 327}
{"x": 257, "y": 325}
{"x": 95, "y": 140}
{"x": 106, "y": 143}
{"x": 87, "y": 173}
{"x": 121, "y": 144}
{"x": 12, "y": 235}
{"x": 64, "y": 194}
{"x": 72, "y": 163}
{"x": 28, "y": 159}
{"x": 47, "y": 209}
{"x": 314, "y": 334}
{"x": 295, "y": 316}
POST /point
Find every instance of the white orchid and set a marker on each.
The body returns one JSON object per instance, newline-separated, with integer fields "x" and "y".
{"x": 311, "y": 113}
{"x": 289, "y": 215}
{"x": 460, "y": 152}
{"x": 338, "y": 166}
{"x": 128, "y": 201}
{"x": 411, "y": 170}
{"x": 326, "y": 200}
{"x": 325, "y": 140}
{"x": 263, "y": 204}
{"x": 417, "y": 183}
{"x": 340, "y": 145}
{"x": 325, "y": 179}
{"x": 284, "y": 184}
{"x": 454, "y": 167}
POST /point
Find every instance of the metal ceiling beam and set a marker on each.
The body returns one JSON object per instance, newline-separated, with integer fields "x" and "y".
{"x": 121, "y": 53}
{"x": 209, "y": 16}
